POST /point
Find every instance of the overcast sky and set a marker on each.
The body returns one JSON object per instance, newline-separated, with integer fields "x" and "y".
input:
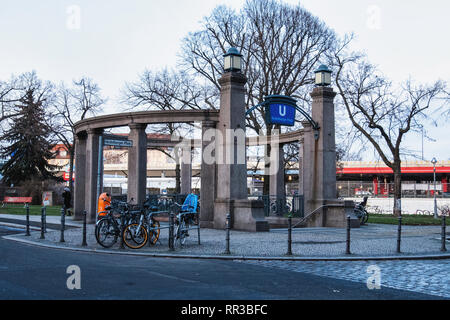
{"x": 113, "y": 41}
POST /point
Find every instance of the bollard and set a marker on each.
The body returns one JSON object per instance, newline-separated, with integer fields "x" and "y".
{"x": 399, "y": 234}
{"x": 198, "y": 229}
{"x": 347, "y": 251}
{"x": 44, "y": 216}
{"x": 122, "y": 230}
{"x": 443, "y": 248}
{"x": 84, "y": 243}
{"x": 28, "y": 219}
{"x": 289, "y": 251}
{"x": 63, "y": 222}
{"x": 227, "y": 239}
{"x": 42, "y": 223}
{"x": 171, "y": 246}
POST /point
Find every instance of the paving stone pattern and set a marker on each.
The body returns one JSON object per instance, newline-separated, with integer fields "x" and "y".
{"x": 424, "y": 276}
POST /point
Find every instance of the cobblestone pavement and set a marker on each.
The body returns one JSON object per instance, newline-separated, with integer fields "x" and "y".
{"x": 372, "y": 240}
{"x": 427, "y": 276}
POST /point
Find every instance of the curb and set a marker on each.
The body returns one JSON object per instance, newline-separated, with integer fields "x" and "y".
{"x": 230, "y": 257}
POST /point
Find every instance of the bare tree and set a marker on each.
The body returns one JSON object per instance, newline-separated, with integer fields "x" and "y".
{"x": 281, "y": 45}
{"x": 74, "y": 104}
{"x": 381, "y": 112}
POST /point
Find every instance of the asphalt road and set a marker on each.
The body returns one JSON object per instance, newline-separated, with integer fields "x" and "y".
{"x": 30, "y": 272}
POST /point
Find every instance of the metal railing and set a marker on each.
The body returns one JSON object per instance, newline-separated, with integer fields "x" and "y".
{"x": 281, "y": 206}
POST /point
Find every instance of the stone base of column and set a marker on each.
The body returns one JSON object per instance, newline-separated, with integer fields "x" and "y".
{"x": 332, "y": 215}
{"x": 246, "y": 215}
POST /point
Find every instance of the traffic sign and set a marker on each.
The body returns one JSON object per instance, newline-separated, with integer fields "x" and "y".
{"x": 118, "y": 143}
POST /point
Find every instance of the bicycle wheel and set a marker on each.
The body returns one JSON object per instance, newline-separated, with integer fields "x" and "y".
{"x": 154, "y": 232}
{"x": 106, "y": 233}
{"x": 135, "y": 236}
{"x": 180, "y": 234}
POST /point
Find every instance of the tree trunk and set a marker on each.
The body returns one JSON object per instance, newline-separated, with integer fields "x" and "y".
{"x": 397, "y": 188}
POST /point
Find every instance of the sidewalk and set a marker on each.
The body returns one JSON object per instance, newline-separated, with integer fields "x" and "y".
{"x": 374, "y": 241}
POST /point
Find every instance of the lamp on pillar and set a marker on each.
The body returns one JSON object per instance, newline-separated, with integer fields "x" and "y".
{"x": 232, "y": 60}
{"x": 323, "y": 76}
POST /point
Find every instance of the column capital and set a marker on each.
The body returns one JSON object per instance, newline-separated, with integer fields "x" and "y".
{"x": 82, "y": 135}
{"x": 94, "y": 131}
{"x": 134, "y": 126}
{"x": 233, "y": 77}
{"x": 322, "y": 93}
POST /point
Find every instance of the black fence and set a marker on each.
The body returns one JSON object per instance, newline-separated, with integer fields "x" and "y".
{"x": 282, "y": 206}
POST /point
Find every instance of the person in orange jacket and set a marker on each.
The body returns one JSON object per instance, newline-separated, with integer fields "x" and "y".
{"x": 103, "y": 201}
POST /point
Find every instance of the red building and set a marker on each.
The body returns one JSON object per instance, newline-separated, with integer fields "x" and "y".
{"x": 377, "y": 179}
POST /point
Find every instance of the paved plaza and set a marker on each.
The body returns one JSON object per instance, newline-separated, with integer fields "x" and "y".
{"x": 373, "y": 240}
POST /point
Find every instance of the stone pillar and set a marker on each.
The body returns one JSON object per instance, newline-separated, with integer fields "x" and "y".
{"x": 80, "y": 175}
{"x": 308, "y": 167}
{"x": 231, "y": 160}
{"x": 230, "y": 145}
{"x": 319, "y": 163}
{"x": 300, "y": 166}
{"x": 208, "y": 175}
{"x": 186, "y": 169}
{"x": 276, "y": 183}
{"x": 92, "y": 153}
{"x": 325, "y": 146}
{"x": 137, "y": 163}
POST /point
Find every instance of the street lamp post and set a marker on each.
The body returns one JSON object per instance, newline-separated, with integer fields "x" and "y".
{"x": 434, "y": 161}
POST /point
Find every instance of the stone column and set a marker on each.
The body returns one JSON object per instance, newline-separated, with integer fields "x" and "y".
{"x": 208, "y": 175}
{"x": 230, "y": 146}
{"x": 186, "y": 169}
{"x": 300, "y": 166}
{"x": 231, "y": 160}
{"x": 92, "y": 153}
{"x": 319, "y": 163}
{"x": 325, "y": 146}
{"x": 277, "y": 185}
{"x": 308, "y": 167}
{"x": 137, "y": 163}
{"x": 80, "y": 175}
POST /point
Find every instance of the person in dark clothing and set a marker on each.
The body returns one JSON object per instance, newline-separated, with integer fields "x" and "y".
{"x": 67, "y": 199}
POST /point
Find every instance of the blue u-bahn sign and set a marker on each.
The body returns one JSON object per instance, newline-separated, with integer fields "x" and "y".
{"x": 280, "y": 110}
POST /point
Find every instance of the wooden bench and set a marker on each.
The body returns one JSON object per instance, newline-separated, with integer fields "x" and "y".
{"x": 23, "y": 200}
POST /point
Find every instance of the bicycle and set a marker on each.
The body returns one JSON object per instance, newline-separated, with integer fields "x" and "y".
{"x": 109, "y": 227}
{"x": 136, "y": 235}
{"x": 279, "y": 207}
{"x": 186, "y": 218}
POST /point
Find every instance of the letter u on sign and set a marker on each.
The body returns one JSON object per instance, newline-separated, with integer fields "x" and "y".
{"x": 282, "y": 109}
